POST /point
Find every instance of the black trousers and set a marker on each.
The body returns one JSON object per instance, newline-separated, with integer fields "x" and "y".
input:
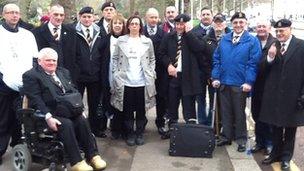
{"x": 10, "y": 126}
{"x": 97, "y": 120}
{"x": 283, "y": 142}
{"x": 134, "y": 101}
{"x": 75, "y": 133}
{"x": 232, "y": 104}
{"x": 175, "y": 95}
{"x": 161, "y": 105}
{"x": 117, "y": 122}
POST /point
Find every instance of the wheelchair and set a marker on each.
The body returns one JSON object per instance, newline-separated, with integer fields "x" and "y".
{"x": 38, "y": 144}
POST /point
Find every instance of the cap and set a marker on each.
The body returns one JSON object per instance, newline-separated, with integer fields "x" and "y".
{"x": 282, "y": 23}
{"x": 219, "y": 17}
{"x": 88, "y": 10}
{"x": 238, "y": 15}
{"x": 107, "y": 4}
{"x": 182, "y": 18}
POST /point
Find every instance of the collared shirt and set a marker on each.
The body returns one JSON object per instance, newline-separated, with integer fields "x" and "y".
{"x": 287, "y": 42}
{"x": 106, "y": 25}
{"x": 84, "y": 30}
{"x": 153, "y": 28}
{"x": 237, "y": 35}
{"x": 51, "y": 27}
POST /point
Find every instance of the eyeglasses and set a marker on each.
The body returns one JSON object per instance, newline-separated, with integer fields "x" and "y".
{"x": 12, "y": 12}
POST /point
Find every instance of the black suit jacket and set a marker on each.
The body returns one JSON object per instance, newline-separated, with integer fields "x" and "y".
{"x": 66, "y": 47}
{"x": 42, "y": 90}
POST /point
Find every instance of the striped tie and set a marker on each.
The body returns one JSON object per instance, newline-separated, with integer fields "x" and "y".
{"x": 88, "y": 37}
{"x": 283, "y": 50}
{"x": 179, "y": 50}
{"x": 55, "y": 33}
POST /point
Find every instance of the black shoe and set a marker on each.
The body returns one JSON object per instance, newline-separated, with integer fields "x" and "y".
{"x": 285, "y": 165}
{"x": 268, "y": 150}
{"x": 100, "y": 134}
{"x": 269, "y": 160}
{"x": 222, "y": 142}
{"x": 0, "y": 160}
{"x": 241, "y": 148}
{"x": 130, "y": 141}
{"x": 115, "y": 135}
{"x": 161, "y": 130}
{"x": 165, "y": 136}
{"x": 140, "y": 140}
{"x": 256, "y": 148}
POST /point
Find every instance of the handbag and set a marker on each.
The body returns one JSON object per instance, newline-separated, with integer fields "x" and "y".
{"x": 73, "y": 102}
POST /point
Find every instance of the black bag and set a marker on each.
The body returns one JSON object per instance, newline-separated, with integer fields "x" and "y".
{"x": 73, "y": 102}
{"x": 191, "y": 140}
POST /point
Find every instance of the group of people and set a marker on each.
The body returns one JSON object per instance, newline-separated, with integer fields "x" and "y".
{"x": 127, "y": 66}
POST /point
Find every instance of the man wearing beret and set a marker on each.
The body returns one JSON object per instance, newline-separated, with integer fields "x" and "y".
{"x": 181, "y": 52}
{"x": 234, "y": 72}
{"x": 60, "y": 37}
{"x": 89, "y": 62}
{"x": 283, "y": 98}
{"x": 108, "y": 11}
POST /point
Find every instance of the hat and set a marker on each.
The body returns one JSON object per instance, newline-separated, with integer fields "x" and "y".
{"x": 238, "y": 15}
{"x": 219, "y": 17}
{"x": 282, "y": 23}
{"x": 88, "y": 10}
{"x": 107, "y": 4}
{"x": 182, "y": 18}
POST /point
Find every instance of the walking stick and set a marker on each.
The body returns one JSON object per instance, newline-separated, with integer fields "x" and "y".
{"x": 215, "y": 114}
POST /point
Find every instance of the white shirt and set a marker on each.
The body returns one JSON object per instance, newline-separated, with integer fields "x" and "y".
{"x": 17, "y": 53}
{"x": 84, "y": 30}
{"x": 51, "y": 27}
{"x": 153, "y": 28}
{"x": 135, "y": 74}
{"x": 105, "y": 25}
{"x": 239, "y": 36}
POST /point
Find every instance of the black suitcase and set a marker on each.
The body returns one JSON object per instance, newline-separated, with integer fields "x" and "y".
{"x": 192, "y": 140}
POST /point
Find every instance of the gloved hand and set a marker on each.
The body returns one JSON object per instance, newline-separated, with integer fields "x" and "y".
{"x": 216, "y": 83}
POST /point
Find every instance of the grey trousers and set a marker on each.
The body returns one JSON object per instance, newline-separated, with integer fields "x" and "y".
{"x": 232, "y": 105}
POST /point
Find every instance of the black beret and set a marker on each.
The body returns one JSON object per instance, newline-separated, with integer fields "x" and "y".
{"x": 87, "y": 10}
{"x": 238, "y": 15}
{"x": 282, "y": 23}
{"x": 219, "y": 17}
{"x": 107, "y": 4}
{"x": 182, "y": 18}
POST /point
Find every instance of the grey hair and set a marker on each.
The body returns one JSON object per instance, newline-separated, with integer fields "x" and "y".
{"x": 47, "y": 52}
{"x": 10, "y": 5}
{"x": 152, "y": 11}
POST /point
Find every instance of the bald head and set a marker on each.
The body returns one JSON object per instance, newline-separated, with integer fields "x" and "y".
{"x": 263, "y": 28}
{"x": 152, "y": 17}
{"x": 11, "y": 14}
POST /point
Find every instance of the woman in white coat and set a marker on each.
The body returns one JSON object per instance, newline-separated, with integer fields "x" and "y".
{"x": 132, "y": 88}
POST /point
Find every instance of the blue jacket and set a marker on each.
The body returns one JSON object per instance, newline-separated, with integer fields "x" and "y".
{"x": 236, "y": 64}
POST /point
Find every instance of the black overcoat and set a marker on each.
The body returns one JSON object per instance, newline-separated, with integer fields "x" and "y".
{"x": 192, "y": 59}
{"x": 283, "y": 86}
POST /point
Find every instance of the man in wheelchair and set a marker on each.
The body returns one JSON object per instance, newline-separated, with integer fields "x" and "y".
{"x": 49, "y": 89}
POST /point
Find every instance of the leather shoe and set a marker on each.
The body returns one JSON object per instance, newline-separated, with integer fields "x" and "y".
{"x": 139, "y": 140}
{"x": 256, "y": 149}
{"x": 97, "y": 163}
{"x": 161, "y": 130}
{"x": 100, "y": 134}
{"x": 130, "y": 141}
{"x": 222, "y": 142}
{"x": 269, "y": 160}
{"x": 241, "y": 148}
{"x": 81, "y": 166}
{"x": 285, "y": 165}
{"x": 0, "y": 160}
{"x": 267, "y": 150}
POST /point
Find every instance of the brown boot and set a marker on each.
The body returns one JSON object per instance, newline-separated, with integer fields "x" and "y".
{"x": 97, "y": 163}
{"x": 81, "y": 166}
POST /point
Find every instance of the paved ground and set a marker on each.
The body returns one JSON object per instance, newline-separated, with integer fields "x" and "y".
{"x": 153, "y": 156}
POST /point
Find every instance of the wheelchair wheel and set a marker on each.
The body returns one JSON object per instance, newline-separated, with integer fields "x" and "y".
{"x": 21, "y": 158}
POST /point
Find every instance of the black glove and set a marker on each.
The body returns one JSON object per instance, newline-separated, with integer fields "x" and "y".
{"x": 300, "y": 103}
